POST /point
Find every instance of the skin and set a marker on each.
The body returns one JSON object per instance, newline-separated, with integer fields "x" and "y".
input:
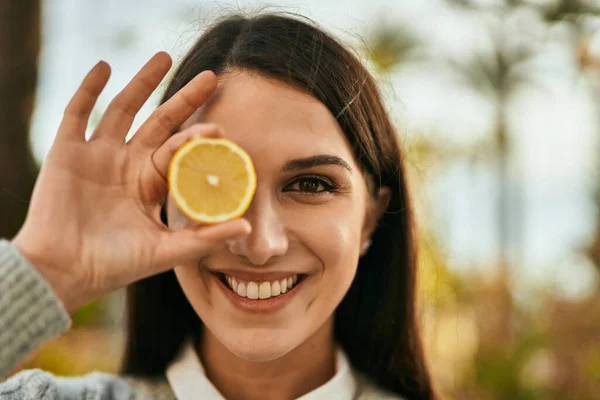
{"x": 297, "y": 226}
{"x": 106, "y": 194}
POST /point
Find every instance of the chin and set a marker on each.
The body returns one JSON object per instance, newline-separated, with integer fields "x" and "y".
{"x": 259, "y": 345}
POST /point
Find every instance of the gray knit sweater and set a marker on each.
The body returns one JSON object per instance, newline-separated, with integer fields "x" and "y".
{"x": 30, "y": 313}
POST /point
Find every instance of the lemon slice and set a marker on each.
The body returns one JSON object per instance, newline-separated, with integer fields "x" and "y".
{"x": 211, "y": 180}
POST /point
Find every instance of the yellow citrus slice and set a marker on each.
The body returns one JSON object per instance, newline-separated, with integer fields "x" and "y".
{"x": 211, "y": 180}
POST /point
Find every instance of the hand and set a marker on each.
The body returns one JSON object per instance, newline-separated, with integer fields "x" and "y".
{"x": 93, "y": 224}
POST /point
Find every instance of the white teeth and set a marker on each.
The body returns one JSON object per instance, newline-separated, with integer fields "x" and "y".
{"x": 264, "y": 290}
{"x": 261, "y": 290}
{"x": 252, "y": 291}
{"x": 283, "y": 284}
{"x": 241, "y": 289}
{"x": 275, "y": 289}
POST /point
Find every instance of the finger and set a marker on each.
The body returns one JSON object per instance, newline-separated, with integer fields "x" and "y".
{"x": 175, "y": 111}
{"x": 77, "y": 112}
{"x": 121, "y": 111}
{"x": 186, "y": 245}
{"x": 163, "y": 155}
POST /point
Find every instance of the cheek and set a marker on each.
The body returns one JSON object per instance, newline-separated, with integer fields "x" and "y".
{"x": 333, "y": 235}
{"x": 335, "y": 244}
{"x": 176, "y": 220}
{"x": 194, "y": 286}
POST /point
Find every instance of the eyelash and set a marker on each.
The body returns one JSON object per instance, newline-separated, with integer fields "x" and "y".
{"x": 329, "y": 185}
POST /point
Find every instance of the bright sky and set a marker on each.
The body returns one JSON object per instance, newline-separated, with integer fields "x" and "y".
{"x": 555, "y": 141}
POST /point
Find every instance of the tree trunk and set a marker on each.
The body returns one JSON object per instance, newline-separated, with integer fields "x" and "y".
{"x": 19, "y": 50}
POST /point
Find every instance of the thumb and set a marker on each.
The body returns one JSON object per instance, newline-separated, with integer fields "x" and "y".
{"x": 192, "y": 243}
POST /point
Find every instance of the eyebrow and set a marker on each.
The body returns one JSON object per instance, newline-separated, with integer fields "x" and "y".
{"x": 314, "y": 161}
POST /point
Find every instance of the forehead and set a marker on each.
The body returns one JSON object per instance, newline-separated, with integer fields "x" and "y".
{"x": 270, "y": 118}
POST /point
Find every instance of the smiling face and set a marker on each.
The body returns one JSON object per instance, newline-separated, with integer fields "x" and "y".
{"x": 310, "y": 217}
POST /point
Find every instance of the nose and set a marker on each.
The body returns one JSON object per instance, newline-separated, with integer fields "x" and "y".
{"x": 268, "y": 238}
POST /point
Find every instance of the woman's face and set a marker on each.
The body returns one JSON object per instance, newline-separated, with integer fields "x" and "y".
{"x": 310, "y": 216}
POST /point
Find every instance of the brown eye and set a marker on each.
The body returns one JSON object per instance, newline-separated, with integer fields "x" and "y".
{"x": 312, "y": 185}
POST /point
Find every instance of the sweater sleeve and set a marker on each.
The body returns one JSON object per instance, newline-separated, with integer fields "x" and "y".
{"x": 30, "y": 311}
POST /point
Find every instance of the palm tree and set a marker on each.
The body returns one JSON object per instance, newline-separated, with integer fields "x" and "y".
{"x": 498, "y": 77}
{"x": 495, "y": 78}
{"x": 19, "y": 46}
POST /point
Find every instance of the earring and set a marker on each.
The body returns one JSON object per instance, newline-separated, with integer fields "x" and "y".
{"x": 366, "y": 246}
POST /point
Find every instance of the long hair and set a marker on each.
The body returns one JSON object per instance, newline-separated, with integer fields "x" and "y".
{"x": 376, "y": 323}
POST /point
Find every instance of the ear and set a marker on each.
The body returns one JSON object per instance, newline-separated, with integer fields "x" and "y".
{"x": 375, "y": 211}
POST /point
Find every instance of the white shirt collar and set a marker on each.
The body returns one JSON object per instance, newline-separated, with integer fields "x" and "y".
{"x": 188, "y": 380}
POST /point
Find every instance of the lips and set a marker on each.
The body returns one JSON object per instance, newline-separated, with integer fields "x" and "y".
{"x": 260, "y": 290}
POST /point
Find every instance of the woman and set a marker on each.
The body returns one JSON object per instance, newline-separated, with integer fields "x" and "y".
{"x": 331, "y": 217}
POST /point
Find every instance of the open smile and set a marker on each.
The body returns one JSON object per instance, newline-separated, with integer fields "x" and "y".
{"x": 260, "y": 296}
{"x": 261, "y": 290}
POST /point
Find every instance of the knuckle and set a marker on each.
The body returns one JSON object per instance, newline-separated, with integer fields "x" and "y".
{"x": 75, "y": 110}
{"x": 147, "y": 83}
{"x": 164, "y": 120}
{"x": 186, "y": 100}
{"x": 123, "y": 107}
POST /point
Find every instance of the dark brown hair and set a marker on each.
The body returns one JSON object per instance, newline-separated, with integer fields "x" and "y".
{"x": 376, "y": 323}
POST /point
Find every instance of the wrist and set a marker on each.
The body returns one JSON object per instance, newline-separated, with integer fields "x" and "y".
{"x": 63, "y": 284}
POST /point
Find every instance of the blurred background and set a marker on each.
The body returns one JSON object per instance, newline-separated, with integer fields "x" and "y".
{"x": 497, "y": 103}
